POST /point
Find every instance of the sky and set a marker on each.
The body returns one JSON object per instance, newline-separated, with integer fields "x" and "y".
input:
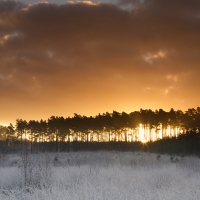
{"x": 87, "y": 57}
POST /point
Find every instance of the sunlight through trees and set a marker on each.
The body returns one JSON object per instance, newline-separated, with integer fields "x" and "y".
{"x": 138, "y": 126}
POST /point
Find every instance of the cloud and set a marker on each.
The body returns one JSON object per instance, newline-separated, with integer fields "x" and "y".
{"x": 150, "y": 57}
{"x": 82, "y": 2}
{"x": 78, "y": 53}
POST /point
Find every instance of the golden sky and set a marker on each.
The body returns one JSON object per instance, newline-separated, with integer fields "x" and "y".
{"x": 89, "y": 57}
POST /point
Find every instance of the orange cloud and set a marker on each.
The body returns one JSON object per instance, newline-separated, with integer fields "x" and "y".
{"x": 61, "y": 59}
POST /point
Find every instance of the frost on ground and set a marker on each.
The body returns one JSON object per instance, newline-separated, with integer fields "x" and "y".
{"x": 99, "y": 176}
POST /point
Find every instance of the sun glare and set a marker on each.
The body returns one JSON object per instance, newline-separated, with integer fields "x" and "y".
{"x": 142, "y": 134}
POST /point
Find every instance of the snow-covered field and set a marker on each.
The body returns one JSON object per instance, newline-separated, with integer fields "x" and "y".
{"x": 99, "y": 176}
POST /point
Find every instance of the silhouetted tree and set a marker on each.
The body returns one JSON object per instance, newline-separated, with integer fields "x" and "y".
{"x": 21, "y": 128}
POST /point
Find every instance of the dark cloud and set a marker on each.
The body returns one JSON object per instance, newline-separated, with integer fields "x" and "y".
{"x": 78, "y": 54}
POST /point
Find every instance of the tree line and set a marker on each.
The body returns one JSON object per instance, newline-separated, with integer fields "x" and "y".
{"x": 104, "y": 131}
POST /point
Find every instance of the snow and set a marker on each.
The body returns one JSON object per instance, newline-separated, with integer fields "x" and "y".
{"x": 99, "y": 175}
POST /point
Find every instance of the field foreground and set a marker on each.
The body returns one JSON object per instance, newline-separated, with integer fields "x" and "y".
{"x": 99, "y": 176}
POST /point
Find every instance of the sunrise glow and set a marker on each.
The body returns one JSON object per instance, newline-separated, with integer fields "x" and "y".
{"x": 99, "y": 61}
